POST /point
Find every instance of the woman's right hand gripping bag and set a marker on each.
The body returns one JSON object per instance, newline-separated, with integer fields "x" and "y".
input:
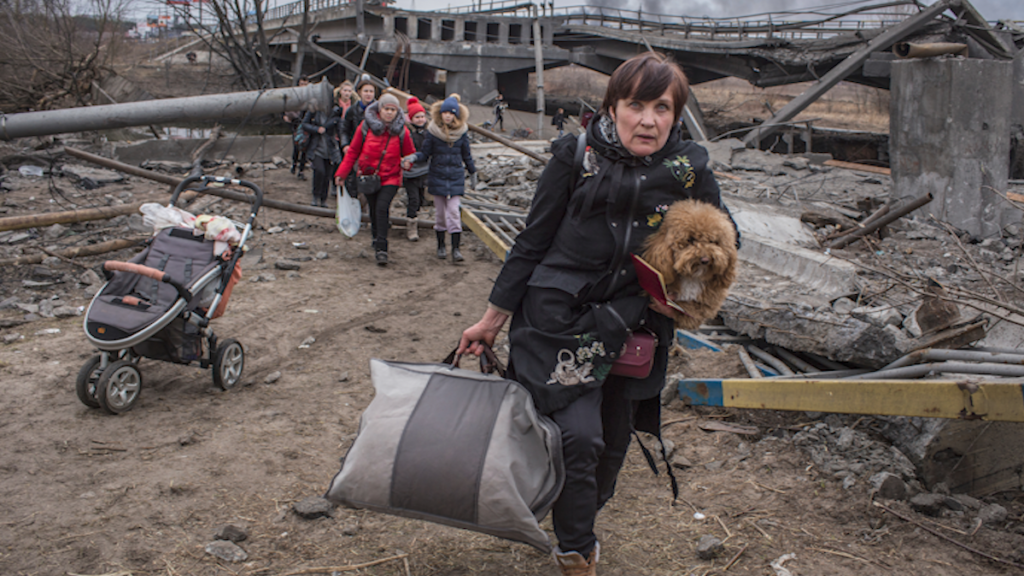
{"x": 456, "y": 447}
{"x": 349, "y": 213}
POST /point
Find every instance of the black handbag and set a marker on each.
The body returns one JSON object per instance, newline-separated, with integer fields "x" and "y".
{"x": 369, "y": 184}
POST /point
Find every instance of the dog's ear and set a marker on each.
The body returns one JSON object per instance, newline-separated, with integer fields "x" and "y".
{"x": 660, "y": 255}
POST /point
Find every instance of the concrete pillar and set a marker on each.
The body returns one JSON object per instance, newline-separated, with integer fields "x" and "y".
{"x": 460, "y": 29}
{"x": 503, "y": 33}
{"x": 435, "y": 29}
{"x": 548, "y": 32}
{"x": 388, "y": 21}
{"x": 471, "y": 86}
{"x": 1018, "y": 89}
{"x": 949, "y": 132}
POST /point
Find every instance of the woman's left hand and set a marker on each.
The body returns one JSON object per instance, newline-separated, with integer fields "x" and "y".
{"x": 666, "y": 310}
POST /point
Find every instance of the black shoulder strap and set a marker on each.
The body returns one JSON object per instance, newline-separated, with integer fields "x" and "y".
{"x": 577, "y": 159}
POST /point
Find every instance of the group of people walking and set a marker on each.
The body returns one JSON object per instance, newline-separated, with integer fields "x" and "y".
{"x": 373, "y": 147}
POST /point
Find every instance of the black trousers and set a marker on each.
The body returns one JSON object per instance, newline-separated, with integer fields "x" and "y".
{"x": 380, "y": 207}
{"x": 298, "y": 157}
{"x": 321, "y": 177}
{"x": 595, "y": 438}
{"x": 414, "y": 188}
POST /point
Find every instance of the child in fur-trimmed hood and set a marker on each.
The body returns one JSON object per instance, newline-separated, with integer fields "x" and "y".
{"x": 447, "y": 147}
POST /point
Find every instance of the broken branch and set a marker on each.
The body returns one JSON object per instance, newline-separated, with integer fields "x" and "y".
{"x": 947, "y": 538}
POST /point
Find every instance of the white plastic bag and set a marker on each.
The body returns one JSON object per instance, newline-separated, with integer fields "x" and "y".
{"x": 160, "y": 217}
{"x": 349, "y": 213}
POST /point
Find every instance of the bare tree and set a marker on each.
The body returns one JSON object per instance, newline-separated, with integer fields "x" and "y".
{"x": 51, "y": 54}
{"x": 238, "y": 35}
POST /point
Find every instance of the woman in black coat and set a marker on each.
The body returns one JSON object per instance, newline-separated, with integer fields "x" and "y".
{"x": 573, "y": 295}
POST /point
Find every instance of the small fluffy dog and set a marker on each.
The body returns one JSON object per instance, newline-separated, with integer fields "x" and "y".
{"x": 695, "y": 251}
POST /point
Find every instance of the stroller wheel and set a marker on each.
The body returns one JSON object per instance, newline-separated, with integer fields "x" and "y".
{"x": 228, "y": 362}
{"x": 85, "y": 385}
{"x": 118, "y": 387}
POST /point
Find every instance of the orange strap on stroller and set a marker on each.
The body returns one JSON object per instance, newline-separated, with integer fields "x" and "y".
{"x": 139, "y": 269}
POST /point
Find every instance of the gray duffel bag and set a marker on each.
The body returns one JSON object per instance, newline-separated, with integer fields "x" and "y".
{"x": 456, "y": 447}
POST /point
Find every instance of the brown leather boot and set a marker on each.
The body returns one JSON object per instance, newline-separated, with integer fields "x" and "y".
{"x": 573, "y": 563}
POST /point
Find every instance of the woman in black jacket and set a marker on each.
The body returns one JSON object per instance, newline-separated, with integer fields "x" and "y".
{"x": 573, "y": 295}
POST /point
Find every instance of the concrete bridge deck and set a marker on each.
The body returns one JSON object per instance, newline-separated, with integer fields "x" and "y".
{"x": 493, "y": 47}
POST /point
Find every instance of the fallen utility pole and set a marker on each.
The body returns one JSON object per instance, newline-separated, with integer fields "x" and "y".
{"x": 67, "y": 217}
{"x": 190, "y": 109}
{"x": 221, "y": 192}
{"x": 90, "y": 250}
{"x": 892, "y": 216}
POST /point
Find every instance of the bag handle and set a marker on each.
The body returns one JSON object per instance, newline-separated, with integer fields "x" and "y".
{"x": 489, "y": 362}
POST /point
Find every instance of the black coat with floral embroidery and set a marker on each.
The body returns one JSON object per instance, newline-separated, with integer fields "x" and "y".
{"x": 569, "y": 280}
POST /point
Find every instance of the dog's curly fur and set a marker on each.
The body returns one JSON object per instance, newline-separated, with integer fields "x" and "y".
{"x": 695, "y": 251}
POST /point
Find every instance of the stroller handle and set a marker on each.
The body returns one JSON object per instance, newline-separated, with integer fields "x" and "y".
{"x": 158, "y": 275}
{"x": 256, "y": 203}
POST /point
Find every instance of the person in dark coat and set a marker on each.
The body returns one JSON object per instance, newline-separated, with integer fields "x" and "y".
{"x": 379, "y": 144}
{"x": 573, "y": 295}
{"x": 322, "y": 151}
{"x": 499, "y": 113}
{"x": 415, "y": 178}
{"x": 558, "y": 121}
{"x": 300, "y": 139}
{"x": 447, "y": 148}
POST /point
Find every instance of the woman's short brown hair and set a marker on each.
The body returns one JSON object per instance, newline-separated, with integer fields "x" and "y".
{"x": 646, "y": 77}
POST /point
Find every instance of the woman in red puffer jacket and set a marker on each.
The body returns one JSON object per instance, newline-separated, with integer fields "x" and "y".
{"x": 378, "y": 145}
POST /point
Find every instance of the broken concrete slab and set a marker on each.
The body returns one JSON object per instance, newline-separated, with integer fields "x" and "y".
{"x": 827, "y": 277}
{"x": 970, "y": 456}
{"x": 802, "y": 328}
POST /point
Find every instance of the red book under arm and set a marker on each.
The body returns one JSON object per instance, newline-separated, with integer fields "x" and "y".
{"x": 653, "y": 283}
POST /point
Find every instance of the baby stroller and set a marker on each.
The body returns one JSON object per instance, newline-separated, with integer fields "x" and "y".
{"x": 158, "y": 305}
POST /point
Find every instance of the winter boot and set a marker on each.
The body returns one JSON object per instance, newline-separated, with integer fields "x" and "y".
{"x": 382, "y": 258}
{"x": 411, "y": 231}
{"x": 456, "y": 253}
{"x": 441, "y": 254}
{"x": 574, "y": 564}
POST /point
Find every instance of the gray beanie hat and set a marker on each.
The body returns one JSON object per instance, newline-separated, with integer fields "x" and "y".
{"x": 388, "y": 100}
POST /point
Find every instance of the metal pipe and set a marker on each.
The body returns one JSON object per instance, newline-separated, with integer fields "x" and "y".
{"x": 192, "y": 108}
{"x": 892, "y": 216}
{"x": 825, "y": 362}
{"x": 826, "y": 375}
{"x": 943, "y": 354}
{"x": 748, "y": 363}
{"x": 986, "y": 368}
{"x": 913, "y": 50}
{"x": 770, "y": 360}
{"x": 788, "y": 356}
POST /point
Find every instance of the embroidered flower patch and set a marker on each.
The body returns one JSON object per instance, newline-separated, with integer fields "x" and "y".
{"x": 682, "y": 170}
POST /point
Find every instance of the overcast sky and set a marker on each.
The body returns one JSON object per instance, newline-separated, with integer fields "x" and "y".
{"x": 991, "y": 9}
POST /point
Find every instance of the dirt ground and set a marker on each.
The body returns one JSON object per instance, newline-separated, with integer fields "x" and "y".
{"x": 84, "y": 492}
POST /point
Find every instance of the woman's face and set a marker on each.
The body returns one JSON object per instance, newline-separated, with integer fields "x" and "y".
{"x": 388, "y": 113}
{"x": 367, "y": 93}
{"x": 644, "y": 126}
{"x": 346, "y": 93}
{"x": 419, "y": 118}
{"x": 447, "y": 117}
